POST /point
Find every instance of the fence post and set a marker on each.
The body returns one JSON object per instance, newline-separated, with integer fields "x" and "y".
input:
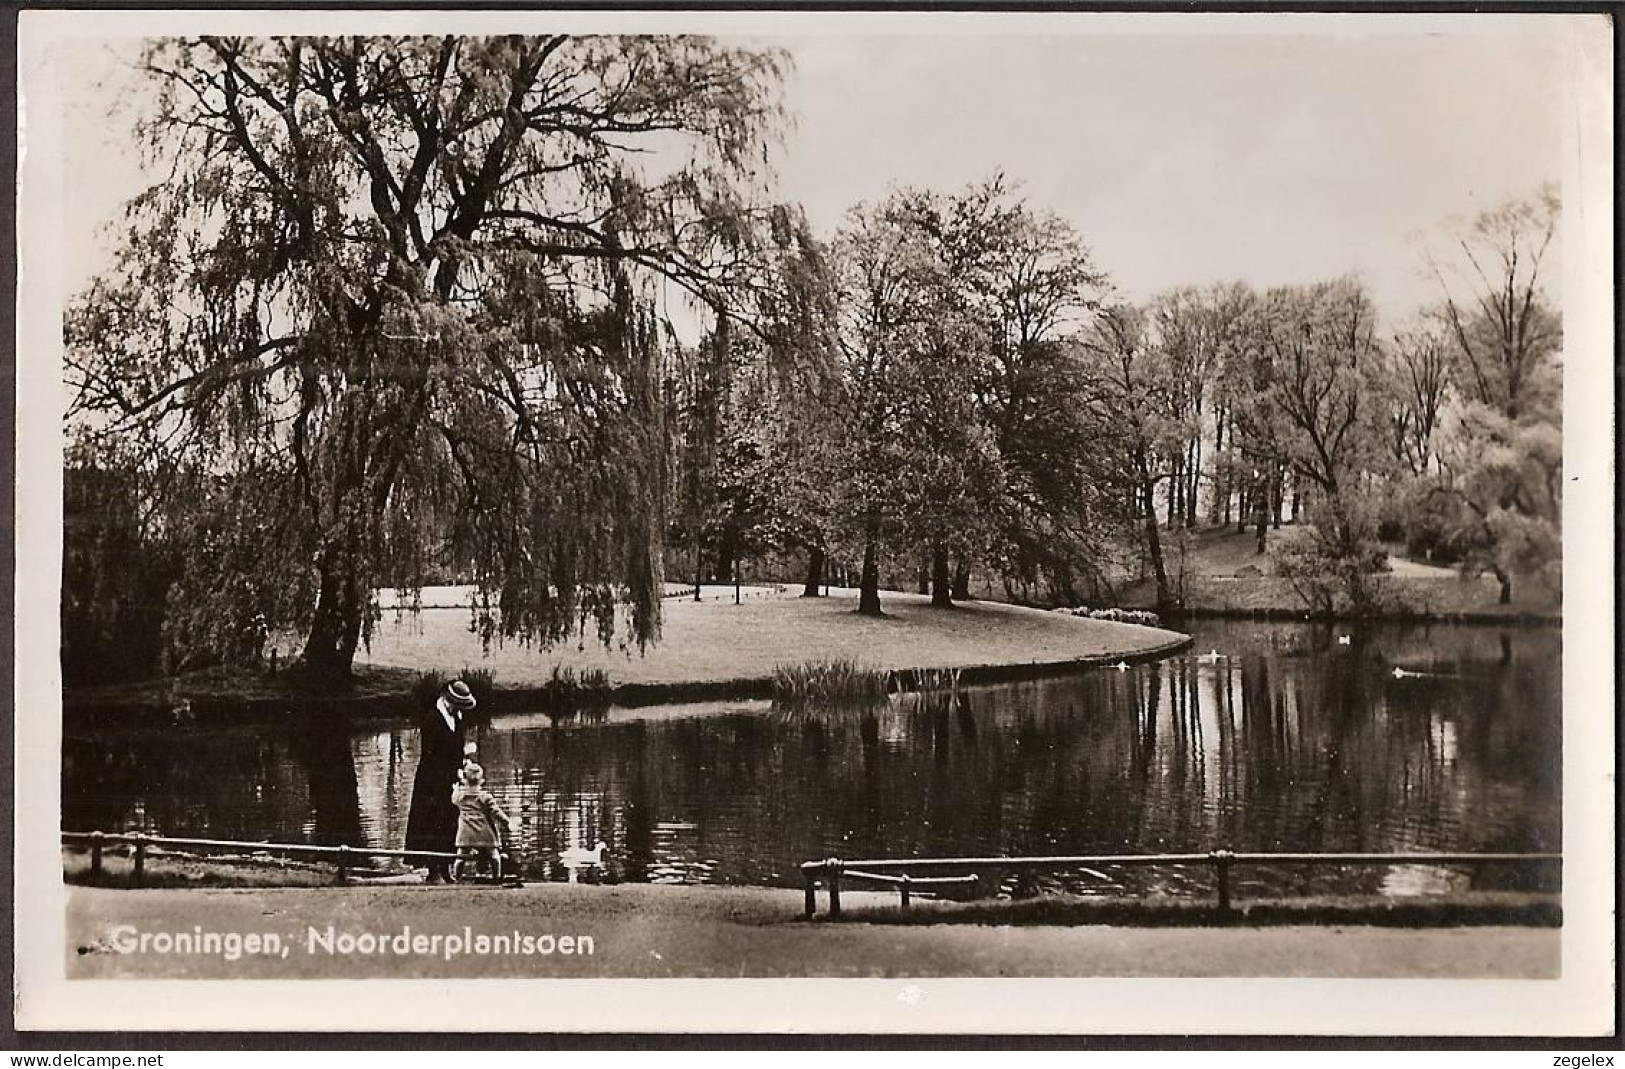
{"x": 1221, "y": 863}
{"x": 902, "y": 890}
{"x": 811, "y": 905}
{"x": 138, "y": 873}
{"x": 344, "y": 864}
{"x": 95, "y": 853}
{"x": 832, "y": 869}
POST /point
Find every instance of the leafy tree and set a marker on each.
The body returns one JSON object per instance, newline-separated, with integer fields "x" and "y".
{"x": 1252, "y": 460}
{"x": 391, "y": 287}
{"x": 1503, "y": 459}
{"x": 1183, "y": 322}
{"x": 785, "y": 441}
{"x": 116, "y": 572}
{"x": 1506, "y": 478}
{"x": 1030, "y": 281}
{"x": 1240, "y": 432}
{"x": 1323, "y": 350}
{"x": 1132, "y": 400}
{"x": 753, "y": 435}
{"x": 919, "y": 468}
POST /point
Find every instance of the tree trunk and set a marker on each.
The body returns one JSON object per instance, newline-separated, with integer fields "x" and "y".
{"x": 1261, "y": 501}
{"x": 941, "y": 579}
{"x": 961, "y": 591}
{"x": 815, "y": 572}
{"x": 1277, "y": 494}
{"x": 1506, "y": 585}
{"x": 335, "y": 630}
{"x": 1173, "y": 501}
{"x": 1193, "y": 489}
{"x": 1153, "y": 543}
{"x": 869, "y": 584}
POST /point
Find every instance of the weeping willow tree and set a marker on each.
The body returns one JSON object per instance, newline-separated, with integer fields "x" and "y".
{"x": 392, "y": 308}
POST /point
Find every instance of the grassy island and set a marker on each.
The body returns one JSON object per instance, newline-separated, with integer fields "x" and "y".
{"x": 718, "y": 644}
{"x": 709, "y": 649}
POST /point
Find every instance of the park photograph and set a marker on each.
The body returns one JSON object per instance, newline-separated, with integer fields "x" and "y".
{"x": 812, "y": 509}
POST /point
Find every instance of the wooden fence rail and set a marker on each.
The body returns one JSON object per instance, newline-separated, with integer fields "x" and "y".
{"x": 901, "y": 871}
{"x": 344, "y": 857}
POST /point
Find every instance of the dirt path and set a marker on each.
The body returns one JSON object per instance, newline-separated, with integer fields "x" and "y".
{"x": 649, "y": 931}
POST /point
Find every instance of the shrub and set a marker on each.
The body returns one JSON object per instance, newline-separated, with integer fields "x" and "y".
{"x": 569, "y": 693}
{"x": 935, "y": 688}
{"x": 829, "y": 684}
{"x": 426, "y": 688}
{"x": 481, "y": 683}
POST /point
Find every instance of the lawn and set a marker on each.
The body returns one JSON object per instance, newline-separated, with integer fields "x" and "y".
{"x": 718, "y": 640}
{"x": 1222, "y": 571}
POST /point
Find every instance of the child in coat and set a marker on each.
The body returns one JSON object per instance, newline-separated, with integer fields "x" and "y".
{"x": 481, "y": 823}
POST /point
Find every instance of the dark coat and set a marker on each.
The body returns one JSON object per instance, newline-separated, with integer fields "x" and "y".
{"x": 432, "y": 821}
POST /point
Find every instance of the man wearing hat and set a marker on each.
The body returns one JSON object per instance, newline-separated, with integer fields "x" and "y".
{"x": 442, "y": 745}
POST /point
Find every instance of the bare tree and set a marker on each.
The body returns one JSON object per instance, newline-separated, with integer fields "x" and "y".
{"x": 1504, "y": 329}
{"x": 1416, "y": 384}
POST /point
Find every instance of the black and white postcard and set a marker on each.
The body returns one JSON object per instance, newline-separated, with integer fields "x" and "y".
{"x": 795, "y": 521}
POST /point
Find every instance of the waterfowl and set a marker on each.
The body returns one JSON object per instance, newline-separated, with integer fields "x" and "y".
{"x": 580, "y": 856}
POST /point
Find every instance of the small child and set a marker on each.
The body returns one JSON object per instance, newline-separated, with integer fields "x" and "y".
{"x": 481, "y": 823}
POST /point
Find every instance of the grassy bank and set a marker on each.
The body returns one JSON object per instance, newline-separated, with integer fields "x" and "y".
{"x": 1218, "y": 571}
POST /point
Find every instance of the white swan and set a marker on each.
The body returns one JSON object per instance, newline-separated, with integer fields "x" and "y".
{"x": 579, "y": 857}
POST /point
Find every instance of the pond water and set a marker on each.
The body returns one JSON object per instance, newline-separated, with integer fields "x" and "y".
{"x": 1264, "y": 737}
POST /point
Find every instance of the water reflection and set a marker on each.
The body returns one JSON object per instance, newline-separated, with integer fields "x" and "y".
{"x": 1288, "y": 739}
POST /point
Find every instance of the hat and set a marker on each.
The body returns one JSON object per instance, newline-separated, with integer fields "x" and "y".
{"x": 458, "y": 696}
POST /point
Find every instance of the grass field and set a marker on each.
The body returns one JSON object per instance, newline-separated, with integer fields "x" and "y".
{"x": 1220, "y": 570}
{"x": 718, "y": 640}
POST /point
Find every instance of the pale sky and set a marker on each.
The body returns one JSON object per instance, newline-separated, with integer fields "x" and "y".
{"x": 1194, "y": 159}
{"x": 1181, "y": 159}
